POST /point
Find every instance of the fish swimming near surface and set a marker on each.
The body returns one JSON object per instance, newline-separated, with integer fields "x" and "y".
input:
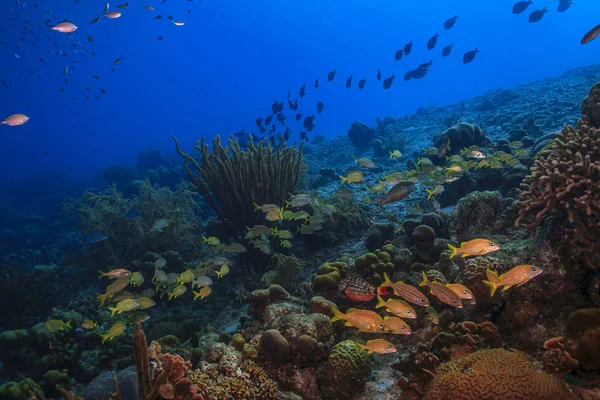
{"x": 378, "y": 74}
{"x": 387, "y": 82}
{"x": 563, "y": 5}
{"x": 407, "y": 292}
{"x": 349, "y": 82}
{"x": 302, "y": 92}
{"x": 65, "y": 27}
{"x": 379, "y": 346}
{"x": 475, "y": 247}
{"x": 357, "y": 289}
{"x": 521, "y": 6}
{"x": 440, "y": 291}
{"x": 447, "y": 50}
{"x": 331, "y": 75}
{"x": 362, "y": 82}
{"x": 320, "y": 107}
{"x": 432, "y": 41}
{"x": 516, "y": 276}
{"x": 398, "y": 55}
{"x": 449, "y": 23}
{"x": 363, "y": 320}
{"x": 113, "y": 14}
{"x": 317, "y": 83}
{"x": 537, "y": 15}
{"x": 591, "y": 35}
{"x": 408, "y": 48}
{"x": 469, "y": 56}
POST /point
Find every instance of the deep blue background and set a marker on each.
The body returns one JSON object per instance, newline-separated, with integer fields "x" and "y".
{"x": 225, "y": 67}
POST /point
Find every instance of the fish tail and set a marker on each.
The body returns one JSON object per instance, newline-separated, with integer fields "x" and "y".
{"x": 380, "y": 302}
{"x": 104, "y": 337}
{"x": 355, "y": 159}
{"x": 196, "y": 294}
{"x": 101, "y": 274}
{"x": 219, "y": 274}
{"x": 453, "y": 250}
{"x": 430, "y": 193}
{"x": 386, "y": 279}
{"x": 102, "y": 298}
{"x": 425, "y": 281}
{"x": 492, "y": 287}
{"x": 256, "y": 206}
{"x": 360, "y": 346}
{"x": 391, "y": 154}
{"x": 337, "y": 315}
{"x": 448, "y": 144}
{"x": 113, "y": 310}
{"x": 492, "y": 282}
{"x": 343, "y": 179}
{"x": 204, "y": 239}
{"x": 68, "y": 324}
{"x": 171, "y": 295}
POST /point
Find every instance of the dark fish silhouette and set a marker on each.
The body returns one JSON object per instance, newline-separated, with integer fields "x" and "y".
{"x": 295, "y": 105}
{"x": 268, "y": 120}
{"x": 470, "y": 56}
{"x": 286, "y": 134}
{"x": 259, "y": 122}
{"x": 521, "y": 6}
{"x": 537, "y": 15}
{"x": 281, "y": 118}
{"x": 399, "y": 54}
{"x": 289, "y": 93}
{"x": 302, "y": 91}
{"x": 298, "y": 116}
{"x": 290, "y": 104}
{"x": 378, "y": 74}
{"x": 421, "y": 70}
{"x": 317, "y": 83}
{"x": 304, "y": 136}
{"x": 309, "y": 123}
{"x": 361, "y": 83}
{"x": 447, "y": 50}
{"x": 563, "y": 5}
{"x": 432, "y": 41}
{"x": 408, "y": 76}
{"x": 450, "y": 22}
{"x": 331, "y": 75}
{"x": 408, "y": 48}
{"x": 591, "y": 35}
{"x": 277, "y": 107}
{"x": 349, "y": 82}
{"x": 262, "y": 129}
{"x": 320, "y": 107}
{"x": 387, "y": 82}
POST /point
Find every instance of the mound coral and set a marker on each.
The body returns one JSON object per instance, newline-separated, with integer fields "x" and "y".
{"x": 564, "y": 184}
{"x": 590, "y": 107}
{"x": 328, "y": 276}
{"x": 282, "y": 270}
{"x": 233, "y": 180}
{"x": 345, "y": 373}
{"x": 494, "y": 374}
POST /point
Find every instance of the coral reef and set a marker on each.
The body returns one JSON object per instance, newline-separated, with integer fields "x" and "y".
{"x": 583, "y": 336}
{"x": 233, "y": 180}
{"x": 590, "y": 107}
{"x": 345, "y": 373}
{"x": 360, "y": 135}
{"x": 462, "y": 135}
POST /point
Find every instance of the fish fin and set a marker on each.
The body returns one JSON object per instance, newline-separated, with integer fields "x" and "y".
{"x": 453, "y": 250}
{"x": 492, "y": 276}
{"x": 386, "y": 279}
{"x": 113, "y": 310}
{"x": 171, "y": 295}
{"x": 101, "y": 274}
{"x": 68, "y": 324}
{"x": 256, "y": 206}
{"x": 350, "y": 310}
{"x": 101, "y": 299}
{"x": 380, "y": 302}
{"x": 337, "y": 314}
{"x": 430, "y": 193}
{"x": 348, "y": 323}
{"x": 343, "y": 180}
{"x": 425, "y": 281}
{"x": 104, "y": 337}
{"x": 196, "y": 294}
{"x": 505, "y": 288}
{"x": 355, "y": 159}
{"x": 386, "y": 317}
{"x": 370, "y": 351}
{"x": 448, "y": 144}
{"x": 360, "y": 346}
{"x": 492, "y": 287}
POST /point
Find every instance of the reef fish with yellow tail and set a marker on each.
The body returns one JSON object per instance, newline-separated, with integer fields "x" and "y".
{"x": 435, "y": 191}
{"x": 475, "y": 247}
{"x": 113, "y": 289}
{"x": 407, "y": 292}
{"x": 186, "y": 276}
{"x": 124, "y": 306}
{"x": 516, "y": 276}
{"x": 357, "y": 289}
{"x": 89, "y": 324}
{"x": 137, "y": 279}
{"x": 55, "y": 325}
{"x": 177, "y": 291}
{"x": 364, "y": 320}
{"x": 202, "y": 293}
{"x": 396, "y": 154}
{"x": 353, "y": 177}
{"x": 400, "y": 308}
{"x": 223, "y": 271}
{"x": 379, "y": 346}
{"x": 441, "y": 292}
{"x": 400, "y": 191}
{"x": 117, "y": 329}
{"x": 396, "y": 326}
{"x": 115, "y": 273}
{"x": 364, "y": 162}
{"x": 462, "y": 292}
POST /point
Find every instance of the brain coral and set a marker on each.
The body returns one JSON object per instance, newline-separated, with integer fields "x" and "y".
{"x": 494, "y": 374}
{"x": 345, "y": 372}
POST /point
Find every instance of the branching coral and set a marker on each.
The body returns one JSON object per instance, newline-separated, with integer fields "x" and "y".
{"x": 232, "y": 180}
{"x": 130, "y": 234}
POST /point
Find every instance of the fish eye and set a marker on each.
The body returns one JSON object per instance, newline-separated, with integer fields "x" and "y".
{"x": 455, "y": 301}
{"x": 408, "y": 312}
{"x": 465, "y": 292}
{"x": 534, "y": 269}
{"x": 381, "y": 326}
{"x": 389, "y": 346}
{"x": 403, "y": 328}
{"x": 492, "y": 244}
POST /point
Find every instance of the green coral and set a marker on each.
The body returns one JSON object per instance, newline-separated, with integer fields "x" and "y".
{"x": 373, "y": 265}
{"x": 329, "y": 275}
{"x": 24, "y": 390}
{"x": 345, "y": 373}
{"x": 106, "y": 213}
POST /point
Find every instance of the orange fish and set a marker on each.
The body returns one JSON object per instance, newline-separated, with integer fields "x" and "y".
{"x": 113, "y": 14}
{"x": 407, "y": 292}
{"x": 518, "y": 276}
{"x": 461, "y": 291}
{"x": 378, "y": 346}
{"x": 399, "y": 308}
{"x": 440, "y": 291}
{"x": 357, "y": 289}
{"x": 364, "y": 320}
{"x": 591, "y": 35}
{"x": 115, "y": 273}
{"x": 396, "y": 326}
{"x": 15, "y": 120}
{"x": 113, "y": 289}
{"x": 475, "y": 247}
{"x": 65, "y": 27}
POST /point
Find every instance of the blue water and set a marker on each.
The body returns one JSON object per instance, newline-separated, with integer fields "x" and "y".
{"x": 232, "y": 59}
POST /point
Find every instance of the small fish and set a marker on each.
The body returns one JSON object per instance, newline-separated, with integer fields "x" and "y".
{"x": 283, "y": 234}
{"x": 440, "y": 291}
{"x": 461, "y": 291}
{"x": 159, "y": 38}
{"x": 137, "y": 317}
{"x": 537, "y": 15}
{"x": 149, "y": 8}
{"x": 235, "y": 248}
{"x": 145, "y": 303}
{"x": 89, "y": 324}
{"x": 96, "y": 19}
{"x": 265, "y": 207}
{"x": 124, "y": 306}
{"x": 178, "y": 23}
{"x": 202, "y": 281}
{"x": 349, "y": 82}
{"x": 400, "y": 308}
{"x": 320, "y": 107}
{"x": 202, "y": 293}
{"x": 286, "y": 244}
{"x": 259, "y": 230}
{"x": 118, "y": 61}
{"x": 400, "y": 191}
{"x": 470, "y": 56}
{"x": 317, "y": 83}
{"x": 395, "y": 154}
{"x": 443, "y": 149}
{"x": 55, "y": 325}
{"x": 95, "y": 77}
{"x": 137, "y": 279}
{"x": 476, "y": 154}
{"x": 223, "y": 271}
{"x": 408, "y": 48}
{"x": 354, "y": 177}
{"x": 563, "y": 5}
{"x": 299, "y": 200}
{"x": 65, "y": 27}
{"x": 302, "y": 92}
{"x": 117, "y": 329}
{"x": 113, "y": 14}
{"x": 436, "y": 190}
{"x": 357, "y": 289}
{"x": 432, "y": 41}
{"x": 331, "y": 75}
{"x": 516, "y": 276}
{"x": 160, "y": 276}
{"x": 177, "y": 291}
{"x": 378, "y": 74}
{"x": 407, "y": 292}
{"x": 521, "y": 6}
{"x": 186, "y": 277}
{"x": 274, "y": 214}
{"x": 591, "y": 35}
{"x": 160, "y": 224}
{"x": 364, "y": 162}
{"x": 398, "y": 55}
{"x": 118, "y": 285}
{"x": 15, "y": 120}
{"x": 364, "y": 320}
{"x": 362, "y": 82}
{"x": 123, "y": 6}
{"x": 115, "y": 273}
{"x": 160, "y": 263}
{"x": 449, "y": 23}
{"x": 447, "y": 50}
{"x": 387, "y": 82}
{"x": 106, "y": 6}
{"x": 211, "y": 241}
{"x": 300, "y": 215}
{"x": 475, "y": 247}
{"x": 378, "y": 346}
{"x": 396, "y": 326}
{"x": 433, "y": 315}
